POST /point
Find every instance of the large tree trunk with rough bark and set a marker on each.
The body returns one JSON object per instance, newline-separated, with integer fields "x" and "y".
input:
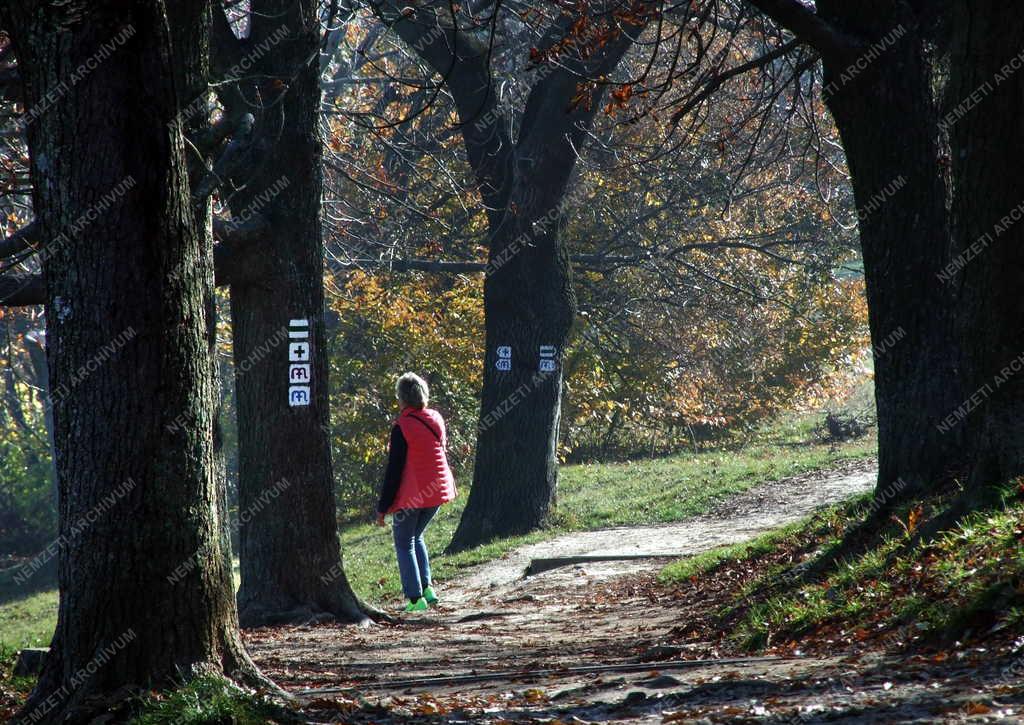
{"x": 528, "y": 299}
{"x": 887, "y": 116}
{"x": 930, "y": 126}
{"x": 529, "y": 307}
{"x": 291, "y": 569}
{"x": 987, "y": 263}
{"x": 145, "y": 591}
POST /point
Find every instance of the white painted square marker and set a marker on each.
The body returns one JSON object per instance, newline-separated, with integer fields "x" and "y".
{"x": 299, "y": 373}
{"x": 298, "y": 395}
{"x": 298, "y": 352}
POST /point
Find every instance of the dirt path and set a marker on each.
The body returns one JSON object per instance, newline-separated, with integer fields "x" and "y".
{"x": 587, "y": 643}
{"x": 741, "y": 518}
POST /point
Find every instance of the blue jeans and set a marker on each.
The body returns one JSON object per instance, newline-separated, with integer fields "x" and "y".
{"x": 413, "y": 564}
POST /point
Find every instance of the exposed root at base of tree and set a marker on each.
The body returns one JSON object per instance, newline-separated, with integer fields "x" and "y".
{"x": 355, "y": 612}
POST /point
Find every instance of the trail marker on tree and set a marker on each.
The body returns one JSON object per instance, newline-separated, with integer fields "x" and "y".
{"x": 547, "y": 359}
{"x": 299, "y": 371}
{"x": 504, "y": 362}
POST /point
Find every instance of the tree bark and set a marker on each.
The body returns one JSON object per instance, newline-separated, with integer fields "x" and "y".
{"x": 935, "y": 116}
{"x": 291, "y": 568}
{"x": 146, "y": 593}
{"x": 887, "y": 117}
{"x": 988, "y": 206}
{"x": 529, "y": 307}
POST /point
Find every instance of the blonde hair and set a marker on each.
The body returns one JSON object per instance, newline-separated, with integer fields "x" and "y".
{"x": 412, "y": 390}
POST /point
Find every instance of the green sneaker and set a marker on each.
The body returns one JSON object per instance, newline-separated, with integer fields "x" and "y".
{"x": 420, "y": 605}
{"x": 430, "y": 595}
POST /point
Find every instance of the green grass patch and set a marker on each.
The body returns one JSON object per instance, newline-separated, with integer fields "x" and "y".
{"x": 207, "y": 701}
{"x": 590, "y": 496}
{"x": 29, "y": 621}
{"x": 850, "y": 579}
{"x": 596, "y": 496}
{"x": 8, "y": 682}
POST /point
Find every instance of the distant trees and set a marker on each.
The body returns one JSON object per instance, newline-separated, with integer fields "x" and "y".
{"x": 528, "y": 88}
{"x": 528, "y": 296}
{"x": 145, "y": 578}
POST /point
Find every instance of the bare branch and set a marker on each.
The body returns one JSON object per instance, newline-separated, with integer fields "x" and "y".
{"x": 21, "y": 241}
{"x": 810, "y": 28}
{"x": 720, "y": 80}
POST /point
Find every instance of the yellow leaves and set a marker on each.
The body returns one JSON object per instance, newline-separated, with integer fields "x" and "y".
{"x": 390, "y": 324}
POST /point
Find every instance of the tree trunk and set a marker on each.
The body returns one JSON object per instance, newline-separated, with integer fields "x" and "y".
{"x": 888, "y": 118}
{"x": 291, "y": 569}
{"x": 988, "y": 206}
{"x": 146, "y": 594}
{"x": 529, "y": 304}
{"x": 529, "y": 307}
{"x": 943, "y": 255}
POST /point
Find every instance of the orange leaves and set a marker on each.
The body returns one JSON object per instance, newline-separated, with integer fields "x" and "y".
{"x": 976, "y": 708}
{"x": 388, "y": 325}
{"x": 584, "y": 96}
{"x": 913, "y": 520}
{"x": 619, "y": 98}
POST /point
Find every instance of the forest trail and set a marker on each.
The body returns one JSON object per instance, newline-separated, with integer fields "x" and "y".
{"x": 594, "y": 642}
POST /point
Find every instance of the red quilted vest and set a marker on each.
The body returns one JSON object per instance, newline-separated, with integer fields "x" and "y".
{"x": 427, "y": 481}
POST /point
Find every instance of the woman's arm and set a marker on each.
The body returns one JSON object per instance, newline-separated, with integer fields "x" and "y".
{"x": 397, "y": 451}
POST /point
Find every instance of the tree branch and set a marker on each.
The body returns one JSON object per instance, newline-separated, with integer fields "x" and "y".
{"x": 22, "y": 240}
{"x": 810, "y": 28}
{"x": 22, "y": 290}
{"x": 718, "y": 81}
{"x": 462, "y": 59}
{"x": 553, "y": 123}
{"x": 229, "y": 264}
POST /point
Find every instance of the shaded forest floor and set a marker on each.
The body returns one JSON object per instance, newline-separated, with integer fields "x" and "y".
{"x": 613, "y": 641}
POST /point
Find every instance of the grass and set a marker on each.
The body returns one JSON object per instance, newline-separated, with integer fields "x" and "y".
{"x": 594, "y": 496}
{"x": 207, "y": 700}
{"x": 707, "y": 561}
{"x": 591, "y": 496}
{"x": 28, "y": 622}
{"x": 844, "y": 578}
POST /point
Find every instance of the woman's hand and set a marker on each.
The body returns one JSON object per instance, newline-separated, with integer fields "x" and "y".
{"x": 380, "y": 520}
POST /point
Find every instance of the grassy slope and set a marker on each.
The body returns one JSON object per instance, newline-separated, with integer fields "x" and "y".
{"x": 590, "y": 497}
{"x": 840, "y": 579}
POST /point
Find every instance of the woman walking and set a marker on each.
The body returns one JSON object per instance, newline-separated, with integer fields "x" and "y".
{"x": 417, "y": 481}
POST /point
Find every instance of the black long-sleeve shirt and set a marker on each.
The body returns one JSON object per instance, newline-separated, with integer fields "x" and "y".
{"x": 397, "y": 451}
